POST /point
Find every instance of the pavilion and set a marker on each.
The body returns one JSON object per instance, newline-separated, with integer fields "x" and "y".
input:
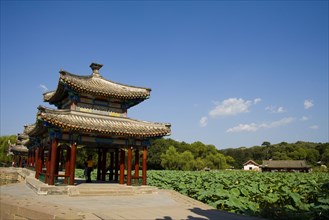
{"x": 92, "y": 112}
{"x": 19, "y": 151}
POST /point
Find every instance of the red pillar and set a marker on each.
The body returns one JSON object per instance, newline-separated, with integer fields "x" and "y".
{"x": 72, "y": 162}
{"x": 48, "y": 166}
{"x": 29, "y": 158}
{"x": 122, "y": 166}
{"x": 144, "y": 166}
{"x": 36, "y": 158}
{"x": 67, "y": 164}
{"x": 136, "y": 165}
{"x": 36, "y": 165}
{"x": 129, "y": 163}
{"x": 53, "y": 161}
{"x": 32, "y": 157}
{"x": 58, "y": 158}
{"x": 39, "y": 161}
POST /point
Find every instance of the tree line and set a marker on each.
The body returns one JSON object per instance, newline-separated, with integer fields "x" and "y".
{"x": 173, "y": 155}
{"x": 314, "y": 153}
{"x": 166, "y": 153}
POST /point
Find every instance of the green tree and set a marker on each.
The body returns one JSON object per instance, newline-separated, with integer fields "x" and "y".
{"x": 186, "y": 160}
{"x": 312, "y": 156}
{"x": 5, "y": 159}
{"x": 216, "y": 161}
{"x": 157, "y": 148}
{"x": 325, "y": 157}
{"x": 170, "y": 159}
{"x": 298, "y": 154}
{"x": 266, "y": 144}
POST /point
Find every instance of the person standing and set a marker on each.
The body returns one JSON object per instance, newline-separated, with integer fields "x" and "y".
{"x": 90, "y": 168}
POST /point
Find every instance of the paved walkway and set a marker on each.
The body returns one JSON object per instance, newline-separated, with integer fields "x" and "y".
{"x": 25, "y": 203}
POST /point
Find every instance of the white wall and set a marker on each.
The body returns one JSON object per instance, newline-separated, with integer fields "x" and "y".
{"x": 251, "y": 167}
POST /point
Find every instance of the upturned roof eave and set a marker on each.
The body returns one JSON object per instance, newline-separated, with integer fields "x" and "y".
{"x": 87, "y": 122}
{"x": 60, "y": 93}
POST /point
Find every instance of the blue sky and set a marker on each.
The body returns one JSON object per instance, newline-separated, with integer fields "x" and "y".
{"x": 227, "y": 73}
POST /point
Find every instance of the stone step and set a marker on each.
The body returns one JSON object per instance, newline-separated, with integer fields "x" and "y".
{"x": 110, "y": 190}
{"x": 87, "y": 189}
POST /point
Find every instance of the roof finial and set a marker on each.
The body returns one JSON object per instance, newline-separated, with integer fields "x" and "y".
{"x": 95, "y": 67}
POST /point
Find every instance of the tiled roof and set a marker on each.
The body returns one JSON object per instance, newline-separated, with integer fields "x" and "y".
{"x": 250, "y": 162}
{"x": 28, "y": 128}
{"x": 284, "y": 164}
{"x": 18, "y": 148}
{"x": 95, "y": 85}
{"x": 94, "y": 123}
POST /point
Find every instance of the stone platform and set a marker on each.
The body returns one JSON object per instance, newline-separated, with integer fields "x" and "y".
{"x": 26, "y": 200}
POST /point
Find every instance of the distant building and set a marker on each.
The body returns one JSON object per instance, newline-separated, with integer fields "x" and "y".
{"x": 251, "y": 165}
{"x": 285, "y": 166}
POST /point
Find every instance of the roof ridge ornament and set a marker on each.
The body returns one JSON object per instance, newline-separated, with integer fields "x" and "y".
{"x": 95, "y": 67}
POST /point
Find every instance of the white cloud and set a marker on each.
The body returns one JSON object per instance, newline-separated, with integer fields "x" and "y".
{"x": 45, "y": 89}
{"x": 204, "y": 121}
{"x": 244, "y": 127}
{"x": 232, "y": 106}
{"x": 257, "y": 100}
{"x": 314, "y": 127}
{"x": 278, "y": 123}
{"x": 274, "y": 109}
{"x": 308, "y": 104}
{"x": 254, "y": 127}
{"x": 280, "y": 110}
{"x": 304, "y": 118}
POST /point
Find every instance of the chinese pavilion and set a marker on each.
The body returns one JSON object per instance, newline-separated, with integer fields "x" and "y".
{"x": 19, "y": 150}
{"x": 92, "y": 112}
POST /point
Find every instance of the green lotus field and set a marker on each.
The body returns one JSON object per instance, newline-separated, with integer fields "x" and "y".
{"x": 268, "y": 195}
